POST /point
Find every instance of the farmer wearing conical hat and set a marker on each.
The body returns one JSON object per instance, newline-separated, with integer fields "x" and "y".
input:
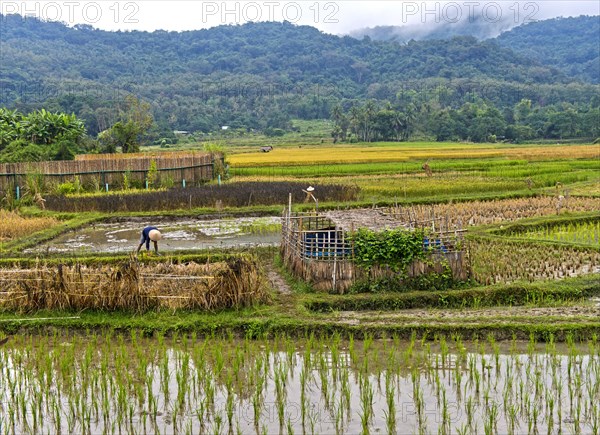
{"x": 150, "y": 234}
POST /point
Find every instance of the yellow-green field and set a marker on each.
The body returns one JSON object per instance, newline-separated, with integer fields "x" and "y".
{"x": 395, "y": 171}
{"x": 400, "y": 152}
{"x": 13, "y": 225}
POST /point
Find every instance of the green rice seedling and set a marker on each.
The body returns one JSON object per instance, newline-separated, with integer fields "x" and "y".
{"x": 324, "y": 377}
{"x": 313, "y": 421}
{"x": 209, "y": 390}
{"x": 218, "y": 424}
{"x": 280, "y": 392}
{"x": 229, "y": 404}
{"x": 390, "y": 395}
{"x": 200, "y": 411}
{"x": 303, "y": 399}
{"x": 595, "y": 418}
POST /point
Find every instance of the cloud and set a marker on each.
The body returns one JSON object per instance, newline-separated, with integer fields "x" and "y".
{"x": 337, "y": 17}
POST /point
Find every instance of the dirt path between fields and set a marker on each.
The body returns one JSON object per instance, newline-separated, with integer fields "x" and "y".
{"x": 283, "y": 292}
{"x": 277, "y": 281}
{"x": 463, "y": 317}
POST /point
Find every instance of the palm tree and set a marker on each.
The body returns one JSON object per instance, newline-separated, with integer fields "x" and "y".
{"x": 369, "y": 116}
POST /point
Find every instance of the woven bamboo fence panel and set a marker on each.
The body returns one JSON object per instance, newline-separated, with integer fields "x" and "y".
{"x": 111, "y": 168}
{"x": 318, "y": 251}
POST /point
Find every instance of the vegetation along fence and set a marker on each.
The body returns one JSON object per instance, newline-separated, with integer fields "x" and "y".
{"x": 116, "y": 170}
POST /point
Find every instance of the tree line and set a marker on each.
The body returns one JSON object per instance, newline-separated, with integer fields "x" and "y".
{"x": 44, "y": 135}
{"x": 39, "y": 135}
{"x": 479, "y": 121}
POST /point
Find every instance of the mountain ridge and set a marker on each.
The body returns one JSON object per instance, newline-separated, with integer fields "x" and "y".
{"x": 256, "y": 74}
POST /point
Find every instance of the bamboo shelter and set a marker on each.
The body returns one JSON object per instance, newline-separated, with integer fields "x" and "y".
{"x": 110, "y": 169}
{"x": 318, "y": 247}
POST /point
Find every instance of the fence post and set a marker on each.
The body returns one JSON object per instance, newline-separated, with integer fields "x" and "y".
{"x": 18, "y": 193}
{"x": 183, "y": 183}
{"x": 106, "y": 185}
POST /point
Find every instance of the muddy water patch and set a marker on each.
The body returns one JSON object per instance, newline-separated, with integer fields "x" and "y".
{"x": 123, "y": 235}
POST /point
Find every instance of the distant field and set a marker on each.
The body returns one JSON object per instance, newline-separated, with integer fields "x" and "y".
{"x": 395, "y": 170}
{"x": 401, "y": 152}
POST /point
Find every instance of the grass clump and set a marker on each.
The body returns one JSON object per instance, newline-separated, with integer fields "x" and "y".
{"x": 515, "y": 294}
{"x": 13, "y": 225}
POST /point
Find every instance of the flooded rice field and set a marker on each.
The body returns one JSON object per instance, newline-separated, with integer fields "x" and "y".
{"x": 110, "y": 384}
{"x": 123, "y": 235}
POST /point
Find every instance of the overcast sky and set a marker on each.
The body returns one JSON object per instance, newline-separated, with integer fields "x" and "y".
{"x": 337, "y": 17}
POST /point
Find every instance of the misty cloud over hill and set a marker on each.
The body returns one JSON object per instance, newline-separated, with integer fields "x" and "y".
{"x": 479, "y": 28}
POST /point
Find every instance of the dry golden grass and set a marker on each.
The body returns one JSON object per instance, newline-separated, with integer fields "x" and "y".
{"x": 135, "y": 287}
{"x": 13, "y": 225}
{"x": 491, "y": 212}
{"x": 500, "y": 261}
{"x": 405, "y": 152}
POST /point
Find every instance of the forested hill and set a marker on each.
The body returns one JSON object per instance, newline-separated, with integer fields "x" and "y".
{"x": 270, "y": 50}
{"x": 256, "y": 75}
{"x": 570, "y": 44}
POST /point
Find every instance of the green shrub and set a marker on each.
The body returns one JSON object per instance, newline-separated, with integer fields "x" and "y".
{"x": 392, "y": 248}
{"x": 65, "y": 188}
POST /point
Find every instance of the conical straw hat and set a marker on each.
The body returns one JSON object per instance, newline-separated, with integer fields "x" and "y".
{"x": 155, "y": 235}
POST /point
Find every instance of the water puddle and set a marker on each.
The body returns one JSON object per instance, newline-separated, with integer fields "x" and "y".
{"x": 122, "y": 235}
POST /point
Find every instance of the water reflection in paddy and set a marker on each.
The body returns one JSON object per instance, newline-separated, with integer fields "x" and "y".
{"x": 315, "y": 385}
{"x": 178, "y": 234}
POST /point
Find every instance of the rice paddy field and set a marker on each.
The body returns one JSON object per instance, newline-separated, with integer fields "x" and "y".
{"x": 584, "y": 233}
{"x": 183, "y": 384}
{"x": 395, "y": 171}
{"x": 200, "y": 339}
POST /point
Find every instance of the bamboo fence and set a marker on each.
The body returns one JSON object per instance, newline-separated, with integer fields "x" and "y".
{"x": 110, "y": 169}
{"x": 319, "y": 251}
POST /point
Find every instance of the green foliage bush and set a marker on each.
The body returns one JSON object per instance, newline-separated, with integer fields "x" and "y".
{"x": 401, "y": 283}
{"x": 395, "y": 249}
{"x": 38, "y": 135}
{"x": 67, "y": 188}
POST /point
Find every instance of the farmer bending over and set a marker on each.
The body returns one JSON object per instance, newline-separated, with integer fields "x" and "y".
{"x": 150, "y": 233}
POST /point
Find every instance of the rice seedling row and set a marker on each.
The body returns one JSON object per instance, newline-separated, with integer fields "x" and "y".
{"x": 226, "y": 195}
{"x": 472, "y": 213}
{"x": 583, "y": 233}
{"x": 185, "y": 384}
{"x": 495, "y": 261}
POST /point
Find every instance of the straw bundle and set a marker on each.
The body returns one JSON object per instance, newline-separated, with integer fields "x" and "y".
{"x": 134, "y": 287}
